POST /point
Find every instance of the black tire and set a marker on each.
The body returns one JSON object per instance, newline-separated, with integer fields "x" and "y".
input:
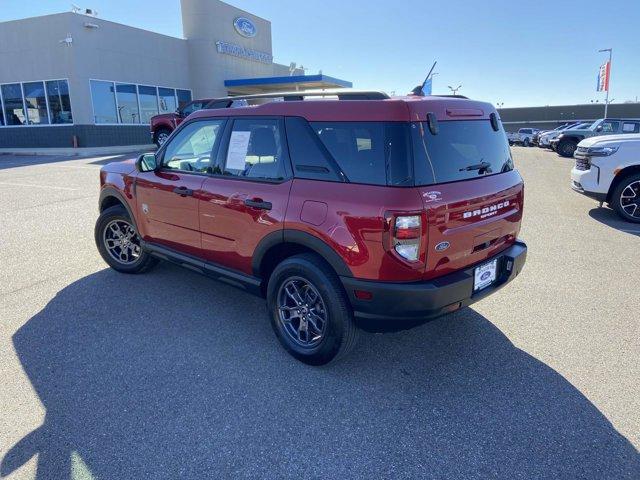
{"x": 340, "y": 332}
{"x": 525, "y": 143}
{"x": 140, "y": 262}
{"x": 629, "y": 184}
{"x": 566, "y": 148}
{"x": 160, "y": 136}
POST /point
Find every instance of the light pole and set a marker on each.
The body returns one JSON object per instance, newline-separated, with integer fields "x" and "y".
{"x": 606, "y": 101}
{"x": 500, "y": 104}
{"x": 454, "y": 90}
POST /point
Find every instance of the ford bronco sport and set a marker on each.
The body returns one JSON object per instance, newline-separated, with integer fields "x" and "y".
{"x": 360, "y": 211}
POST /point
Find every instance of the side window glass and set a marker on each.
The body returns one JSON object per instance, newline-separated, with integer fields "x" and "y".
{"x": 255, "y": 149}
{"x": 307, "y": 154}
{"x": 191, "y": 107}
{"x": 630, "y": 127}
{"x": 610, "y": 126}
{"x": 191, "y": 149}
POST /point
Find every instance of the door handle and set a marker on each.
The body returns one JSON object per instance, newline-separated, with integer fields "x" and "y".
{"x": 183, "y": 192}
{"x": 258, "y": 203}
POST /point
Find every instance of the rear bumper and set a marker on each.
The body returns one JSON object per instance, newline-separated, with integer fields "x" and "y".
{"x": 402, "y": 305}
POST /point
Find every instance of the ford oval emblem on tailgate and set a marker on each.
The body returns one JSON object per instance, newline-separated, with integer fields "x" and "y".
{"x": 442, "y": 246}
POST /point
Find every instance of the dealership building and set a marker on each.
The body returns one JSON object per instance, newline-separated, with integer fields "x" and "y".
{"x": 73, "y": 79}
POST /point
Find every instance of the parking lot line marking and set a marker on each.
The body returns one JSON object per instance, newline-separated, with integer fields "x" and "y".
{"x": 37, "y": 186}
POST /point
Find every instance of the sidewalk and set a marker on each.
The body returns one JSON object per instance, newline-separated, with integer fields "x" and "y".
{"x": 79, "y": 152}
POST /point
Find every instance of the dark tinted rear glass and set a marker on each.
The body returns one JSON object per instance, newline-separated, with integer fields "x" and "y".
{"x": 376, "y": 153}
{"x": 310, "y": 159}
{"x": 462, "y": 149}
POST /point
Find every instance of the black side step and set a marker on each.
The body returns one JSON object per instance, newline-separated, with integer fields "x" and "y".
{"x": 248, "y": 283}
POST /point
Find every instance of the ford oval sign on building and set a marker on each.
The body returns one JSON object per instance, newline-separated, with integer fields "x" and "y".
{"x": 245, "y": 27}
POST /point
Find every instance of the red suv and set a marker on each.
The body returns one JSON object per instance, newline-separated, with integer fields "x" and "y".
{"x": 358, "y": 212}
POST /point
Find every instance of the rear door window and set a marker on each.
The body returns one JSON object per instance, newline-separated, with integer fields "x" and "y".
{"x": 460, "y": 150}
{"x": 375, "y": 153}
{"x": 255, "y": 149}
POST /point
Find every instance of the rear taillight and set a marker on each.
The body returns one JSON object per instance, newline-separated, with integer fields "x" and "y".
{"x": 406, "y": 236}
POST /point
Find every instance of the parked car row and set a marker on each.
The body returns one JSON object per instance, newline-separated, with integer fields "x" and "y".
{"x": 546, "y": 137}
{"x": 567, "y": 142}
{"x": 607, "y": 159}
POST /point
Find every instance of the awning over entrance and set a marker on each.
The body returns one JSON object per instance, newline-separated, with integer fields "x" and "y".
{"x": 247, "y": 86}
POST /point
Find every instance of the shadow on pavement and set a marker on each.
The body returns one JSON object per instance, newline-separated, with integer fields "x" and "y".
{"x": 17, "y": 161}
{"x": 102, "y": 160}
{"x": 172, "y": 375}
{"x": 609, "y": 217}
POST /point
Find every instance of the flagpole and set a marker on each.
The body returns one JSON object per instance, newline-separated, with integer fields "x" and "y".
{"x": 606, "y": 101}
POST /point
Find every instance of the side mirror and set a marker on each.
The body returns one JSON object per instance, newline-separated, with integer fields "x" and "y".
{"x": 599, "y": 128}
{"x": 147, "y": 162}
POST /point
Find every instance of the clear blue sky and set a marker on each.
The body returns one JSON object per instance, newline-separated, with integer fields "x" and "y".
{"x": 540, "y": 52}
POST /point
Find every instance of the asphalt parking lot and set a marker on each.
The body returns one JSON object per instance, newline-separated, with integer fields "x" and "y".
{"x": 172, "y": 375}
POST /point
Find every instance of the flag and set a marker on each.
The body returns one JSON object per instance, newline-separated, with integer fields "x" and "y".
{"x": 426, "y": 86}
{"x": 603, "y": 77}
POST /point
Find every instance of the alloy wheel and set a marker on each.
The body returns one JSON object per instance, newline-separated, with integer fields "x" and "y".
{"x": 301, "y": 312}
{"x": 630, "y": 199}
{"x": 122, "y": 242}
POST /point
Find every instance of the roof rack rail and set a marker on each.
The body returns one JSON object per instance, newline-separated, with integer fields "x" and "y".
{"x": 341, "y": 93}
{"x": 451, "y": 96}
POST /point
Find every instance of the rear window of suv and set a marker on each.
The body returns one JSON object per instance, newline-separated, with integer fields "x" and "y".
{"x": 460, "y": 150}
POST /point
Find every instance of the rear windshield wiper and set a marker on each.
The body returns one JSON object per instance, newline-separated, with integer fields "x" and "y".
{"x": 482, "y": 167}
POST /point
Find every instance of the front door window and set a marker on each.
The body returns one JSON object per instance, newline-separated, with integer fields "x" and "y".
{"x": 191, "y": 149}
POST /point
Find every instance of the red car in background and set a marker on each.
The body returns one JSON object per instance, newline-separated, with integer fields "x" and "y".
{"x": 162, "y": 125}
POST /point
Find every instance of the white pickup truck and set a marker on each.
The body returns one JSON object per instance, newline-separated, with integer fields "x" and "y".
{"x": 607, "y": 169}
{"x": 523, "y": 137}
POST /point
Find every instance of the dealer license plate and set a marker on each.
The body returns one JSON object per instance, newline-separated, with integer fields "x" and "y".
{"x": 485, "y": 275}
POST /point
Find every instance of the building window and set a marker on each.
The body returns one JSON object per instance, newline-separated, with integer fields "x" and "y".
{"x": 13, "y": 106}
{"x": 184, "y": 97}
{"x": 127, "y": 103}
{"x": 35, "y": 101}
{"x": 59, "y": 102}
{"x": 130, "y": 104}
{"x": 104, "y": 102}
{"x": 148, "y": 102}
{"x": 167, "y": 100}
